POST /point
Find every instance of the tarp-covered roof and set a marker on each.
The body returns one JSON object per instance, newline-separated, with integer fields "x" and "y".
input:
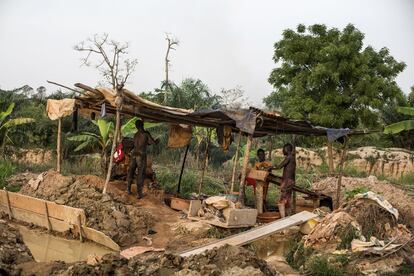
{"x": 251, "y": 121}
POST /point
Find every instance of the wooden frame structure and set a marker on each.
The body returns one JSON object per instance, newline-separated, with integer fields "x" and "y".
{"x": 251, "y": 122}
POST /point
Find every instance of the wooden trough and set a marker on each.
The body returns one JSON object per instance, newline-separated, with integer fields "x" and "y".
{"x": 52, "y": 216}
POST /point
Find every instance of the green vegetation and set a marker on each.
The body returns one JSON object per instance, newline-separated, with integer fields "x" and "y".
{"x": 6, "y": 170}
{"x": 348, "y": 234}
{"x": 349, "y": 194}
{"x": 320, "y": 266}
{"x": 403, "y": 125}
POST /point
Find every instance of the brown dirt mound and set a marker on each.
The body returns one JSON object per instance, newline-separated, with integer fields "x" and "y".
{"x": 396, "y": 196}
{"x": 227, "y": 260}
{"x": 12, "y": 250}
{"x": 125, "y": 224}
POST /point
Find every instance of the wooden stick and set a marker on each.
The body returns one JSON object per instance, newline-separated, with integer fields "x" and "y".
{"x": 182, "y": 169}
{"x": 59, "y": 146}
{"x": 80, "y": 228}
{"x": 235, "y": 163}
{"x": 48, "y": 224}
{"x": 8, "y": 203}
{"x": 244, "y": 169}
{"x": 341, "y": 172}
{"x": 64, "y": 86}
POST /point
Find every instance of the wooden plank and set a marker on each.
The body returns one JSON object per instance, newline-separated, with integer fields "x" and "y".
{"x": 255, "y": 233}
{"x": 179, "y": 204}
{"x": 35, "y": 205}
{"x": 99, "y": 237}
{"x": 7, "y": 201}
{"x": 39, "y": 220}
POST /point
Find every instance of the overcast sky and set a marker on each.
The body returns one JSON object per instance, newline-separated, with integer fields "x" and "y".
{"x": 223, "y": 43}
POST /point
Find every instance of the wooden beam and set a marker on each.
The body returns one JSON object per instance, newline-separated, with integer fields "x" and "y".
{"x": 182, "y": 168}
{"x": 244, "y": 169}
{"x": 59, "y": 146}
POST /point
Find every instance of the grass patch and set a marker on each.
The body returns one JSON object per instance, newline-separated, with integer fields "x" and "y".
{"x": 6, "y": 170}
{"x": 320, "y": 266}
{"x": 347, "y": 235}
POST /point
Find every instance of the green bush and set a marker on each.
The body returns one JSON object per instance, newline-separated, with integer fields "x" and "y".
{"x": 349, "y": 194}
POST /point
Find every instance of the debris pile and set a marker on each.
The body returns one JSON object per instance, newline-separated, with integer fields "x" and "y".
{"x": 125, "y": 224}
{"x": 227, "y": 260}
{"x": 12, "y": 250}
{"x": 395, "y": 196}
{"x": 365, "y": 225}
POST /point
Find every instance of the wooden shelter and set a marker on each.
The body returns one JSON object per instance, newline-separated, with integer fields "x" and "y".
{"x": 251, "y": 122}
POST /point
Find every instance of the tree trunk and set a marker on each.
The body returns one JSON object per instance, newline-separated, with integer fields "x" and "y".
{"x": 244, "y": 169}
{"x": 205, "y": 164}
{"x": 341, "y": 169}
{"x": 235, "y": 162}
{"x": 330, "y": 159}
{"x": 114, "y": 142}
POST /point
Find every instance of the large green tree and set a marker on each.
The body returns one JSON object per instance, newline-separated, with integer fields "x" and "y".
{"x": 327, "y": 76}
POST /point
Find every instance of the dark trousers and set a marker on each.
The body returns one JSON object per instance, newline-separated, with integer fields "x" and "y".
{"x": 139, "y": 162}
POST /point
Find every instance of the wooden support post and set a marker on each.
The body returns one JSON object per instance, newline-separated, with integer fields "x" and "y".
{"x": 59, "y": 146}
{"x": 341, "y": 171}
{"x": 235, "y": 162}
{"x": 270, "y": 148}
{"x": 80, "y": 228}
{"x": 9, "y": 211}
{"x": 205, "y": 163}
{"x": 244, "y": 168}
{"x": 259, "y": 196}
{"x": 330, "y": 158}
{"x": 114, "y": 142}
{"x": 48, "y": 224}
{"x": 182, "y": 169}
{"x": 293, "y": 209}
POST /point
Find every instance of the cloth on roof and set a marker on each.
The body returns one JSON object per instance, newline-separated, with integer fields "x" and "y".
{"x": 224, "y": 137}
{"x": 179, "y": 136}
{"x": 56, "y": 109}
{"x": 335, "y": 133}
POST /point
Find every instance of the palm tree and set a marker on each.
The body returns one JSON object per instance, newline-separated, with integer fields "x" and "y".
{"x": 6, "y": 124}
{"x": 403, "y": 125}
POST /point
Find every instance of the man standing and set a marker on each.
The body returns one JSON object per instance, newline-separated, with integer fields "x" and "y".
{"x": 288, "y": 179}
{"x": 263, "y": 165}
{"x": 142, "y": 139}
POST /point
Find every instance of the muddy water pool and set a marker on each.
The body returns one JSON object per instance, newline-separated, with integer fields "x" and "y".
{"x": 46, "y": 247}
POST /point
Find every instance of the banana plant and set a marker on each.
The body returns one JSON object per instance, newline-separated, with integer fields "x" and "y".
{"x": 104, "y": 138}
{"x": 6, "y": 124}
{"x": 403, "y": 125}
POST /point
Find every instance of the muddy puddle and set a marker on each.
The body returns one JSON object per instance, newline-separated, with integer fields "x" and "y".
{"x": 270, "y": 246}
{"x": 45, "y": 247}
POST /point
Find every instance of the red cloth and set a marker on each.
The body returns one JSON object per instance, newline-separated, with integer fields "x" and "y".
{"x": 251, "y": 182}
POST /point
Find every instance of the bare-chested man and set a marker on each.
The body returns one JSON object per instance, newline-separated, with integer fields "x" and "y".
{"x": 139, "y": 157}
{"x": 288, "y": 179}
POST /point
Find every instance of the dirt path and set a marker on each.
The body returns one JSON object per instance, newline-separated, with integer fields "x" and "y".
{"x": 164, "y": 216}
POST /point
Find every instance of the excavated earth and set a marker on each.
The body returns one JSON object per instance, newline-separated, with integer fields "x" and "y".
{"x": 125, "y": 224}
{"x": 12, "y": 250}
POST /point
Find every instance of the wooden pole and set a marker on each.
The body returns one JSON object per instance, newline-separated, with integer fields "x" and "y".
{"x": 244, "y": 168}
{"x": 204, "y": 164}
{"x": 270, "y": 148}
{"x": 111, "y": 157}
{"x": 330, "y": 158}
{"x": 80, "y": 228}
{"x": 341, "y": 171}
{"x": 48, "y": 224}
{"x": 59, "y": 146}
{"x": 9, "y": 211}
{"x": 293, "y": 211}
{"x": 182, "y": 169}
{"x": 235, "y": 163}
